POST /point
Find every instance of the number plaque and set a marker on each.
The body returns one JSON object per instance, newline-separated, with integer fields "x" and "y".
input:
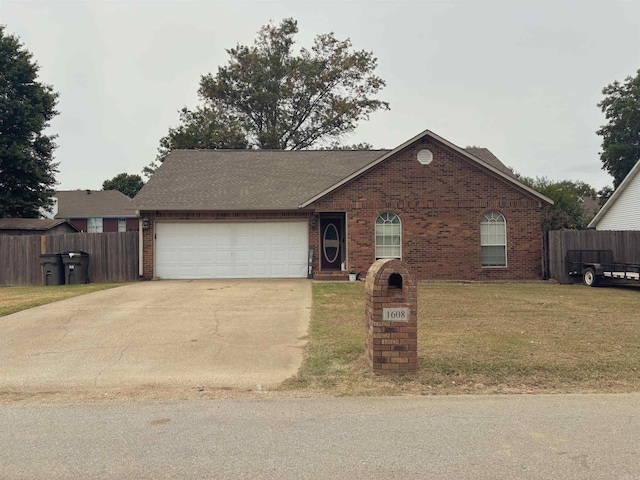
{"x": 395, "y": 314}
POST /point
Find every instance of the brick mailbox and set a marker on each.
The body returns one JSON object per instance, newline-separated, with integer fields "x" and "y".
{"x": 391, "y": 310}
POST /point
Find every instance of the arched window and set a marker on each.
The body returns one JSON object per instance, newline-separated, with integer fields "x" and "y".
{"x": 493, "y": 238}
{"x": 388, "y": 236}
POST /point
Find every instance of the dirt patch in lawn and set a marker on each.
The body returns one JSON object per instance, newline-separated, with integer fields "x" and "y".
{"x": 482, "y": 338}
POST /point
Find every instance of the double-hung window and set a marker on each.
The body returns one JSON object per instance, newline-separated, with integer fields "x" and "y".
{"x": 94, "y": 225}
{"x": 493, "y": 239}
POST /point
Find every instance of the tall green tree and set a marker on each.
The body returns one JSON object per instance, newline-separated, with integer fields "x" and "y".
{"x": 621, "y": 134}
{"x": 124, "y": 183}
{"x": 567, "y": 211}
{"x": 274, "y": 97}
{"x": 27, "y": 167}
{"x": 206, "y": 127}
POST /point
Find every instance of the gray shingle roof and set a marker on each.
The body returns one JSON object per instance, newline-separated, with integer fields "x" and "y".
{"x": 247, "y": 179}
{"x": 486, "y": 156}
{"x": 274, "y": 179}
{"x": 30, "y": 224}
{"x": 93, "y": 203}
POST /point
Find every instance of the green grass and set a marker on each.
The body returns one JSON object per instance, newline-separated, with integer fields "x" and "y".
{"x": 483, "y": 338}
{"x": 15, "y": 299}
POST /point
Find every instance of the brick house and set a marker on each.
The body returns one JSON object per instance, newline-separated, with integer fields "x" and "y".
{"x": 448, "y": 212}
{"x": 96, "y": 211}
{"x": 35, "y": 226}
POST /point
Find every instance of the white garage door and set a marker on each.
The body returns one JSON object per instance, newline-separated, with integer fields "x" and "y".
{"x": 231, "y": 250}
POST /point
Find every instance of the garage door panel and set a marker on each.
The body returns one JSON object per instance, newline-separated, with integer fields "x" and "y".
{"x": 294, "y": 271}
{"x": 243, "y": 240}
{"x": 279, "y": 256}
{"x": 222, "y": 255}
{"x": 260, "y": 256}
{"x": 297, "y": 255}
{"x": 206, "y": 257}
{"x": 231, "y": 250}
{"x": 241, "y": 271}
{"x": 242, "y": 257}
{"x": 280, "y": 241}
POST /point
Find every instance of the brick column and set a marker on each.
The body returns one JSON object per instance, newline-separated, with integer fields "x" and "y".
{"x": 391, "y": 311}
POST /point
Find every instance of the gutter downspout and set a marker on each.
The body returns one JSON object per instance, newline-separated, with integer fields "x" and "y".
{"x": 140, "y": 240}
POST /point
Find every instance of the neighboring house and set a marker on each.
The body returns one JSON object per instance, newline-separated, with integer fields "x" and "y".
{"x": 447, "y": 212}
{"x": 590, "y": 206}
{"x": 35, "y": 226}
{"x": 621, "y": 210}
{"x": 96, "y": 211}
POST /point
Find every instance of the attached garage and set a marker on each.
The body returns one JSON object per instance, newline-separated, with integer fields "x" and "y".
{"x": 192, "y": 250}
{"x": 263, "y": 213}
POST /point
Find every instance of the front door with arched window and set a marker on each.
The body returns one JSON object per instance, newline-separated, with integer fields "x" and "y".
{"x": 331, "y": 243}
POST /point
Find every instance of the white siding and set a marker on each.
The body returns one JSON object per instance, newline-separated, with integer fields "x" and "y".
{"x": 624, "y": 213}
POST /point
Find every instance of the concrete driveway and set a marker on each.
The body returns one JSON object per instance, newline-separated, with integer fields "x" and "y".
{"x": 204, "y": 333}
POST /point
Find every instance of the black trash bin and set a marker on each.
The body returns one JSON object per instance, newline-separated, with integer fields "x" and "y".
{"x": 52, "y": 269}
{"x": 76, "y": 267}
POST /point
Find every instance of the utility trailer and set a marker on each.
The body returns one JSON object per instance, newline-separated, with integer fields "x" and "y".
{"x": 595, "y": 266}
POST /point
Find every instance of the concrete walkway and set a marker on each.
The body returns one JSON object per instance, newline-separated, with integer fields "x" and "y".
{"x": 213, "y": 333}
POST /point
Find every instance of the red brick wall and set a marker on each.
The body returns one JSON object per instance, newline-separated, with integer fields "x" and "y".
{"x": 440, "y": 206}
{"x": 133, "y": 225}
{"x": 109, "y": 225}
{"x": 79, "y": 223}
{"x": 148, "y": 233}
{"x": 390, "y": 346}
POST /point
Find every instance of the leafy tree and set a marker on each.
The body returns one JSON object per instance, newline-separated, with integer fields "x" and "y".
{"x": 125, "y": 183}
{"x": 27, "y": 169}
{"x": 276, "y": 98}
{"x": 355, "y": 146}
{"x": 621, "y": 135}
{"x": 566, "y": 212}
{"x": 206, "y": 127}
{"x": 604, "y": 193}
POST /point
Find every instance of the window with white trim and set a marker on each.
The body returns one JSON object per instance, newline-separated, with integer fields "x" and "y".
{"x": 122, "y": 224}
{"x": 388, "y": 236}
{"x": 493, "y": 238}
{"x": 94, "y": 225}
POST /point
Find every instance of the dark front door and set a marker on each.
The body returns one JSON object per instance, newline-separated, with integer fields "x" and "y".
{"x": 331, "y": 243}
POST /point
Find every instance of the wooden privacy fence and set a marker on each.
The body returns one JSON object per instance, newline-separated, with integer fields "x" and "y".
{"x": 113, "y": 257}
{"x": 624, "y": 244}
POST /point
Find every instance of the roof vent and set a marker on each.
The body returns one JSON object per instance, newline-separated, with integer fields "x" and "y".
{"x": 88, "y": 192}
{"x": 425, "y": 157}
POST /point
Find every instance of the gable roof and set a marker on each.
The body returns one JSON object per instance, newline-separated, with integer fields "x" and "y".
{"x": 247, "y": 179}
{"x": 243, "y": 180}
{"x": 93, "y": 203}
{"x": 499, "y": 171}
{"x": 616, "y": 195}
{"x": 589, "y": 204}
{"x": 32, "y": 224}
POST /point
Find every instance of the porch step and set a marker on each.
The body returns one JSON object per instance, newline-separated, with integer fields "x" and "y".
{"x": 331, "y": 276}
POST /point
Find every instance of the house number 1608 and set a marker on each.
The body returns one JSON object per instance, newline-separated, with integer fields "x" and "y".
{"x": 395, "y": 314}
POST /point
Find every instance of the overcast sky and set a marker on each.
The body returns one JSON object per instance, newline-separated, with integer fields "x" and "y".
{"x": 522, "y": 78}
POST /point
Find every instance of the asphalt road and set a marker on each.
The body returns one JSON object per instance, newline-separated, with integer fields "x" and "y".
{"x": 466, "y": 437}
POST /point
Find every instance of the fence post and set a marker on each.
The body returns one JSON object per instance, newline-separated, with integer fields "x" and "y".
{"x": 43, "y": 249}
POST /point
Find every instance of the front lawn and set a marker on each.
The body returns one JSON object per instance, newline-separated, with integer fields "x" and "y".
{"x": 482, "y": 338}
{"x": 14, "y": 299}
